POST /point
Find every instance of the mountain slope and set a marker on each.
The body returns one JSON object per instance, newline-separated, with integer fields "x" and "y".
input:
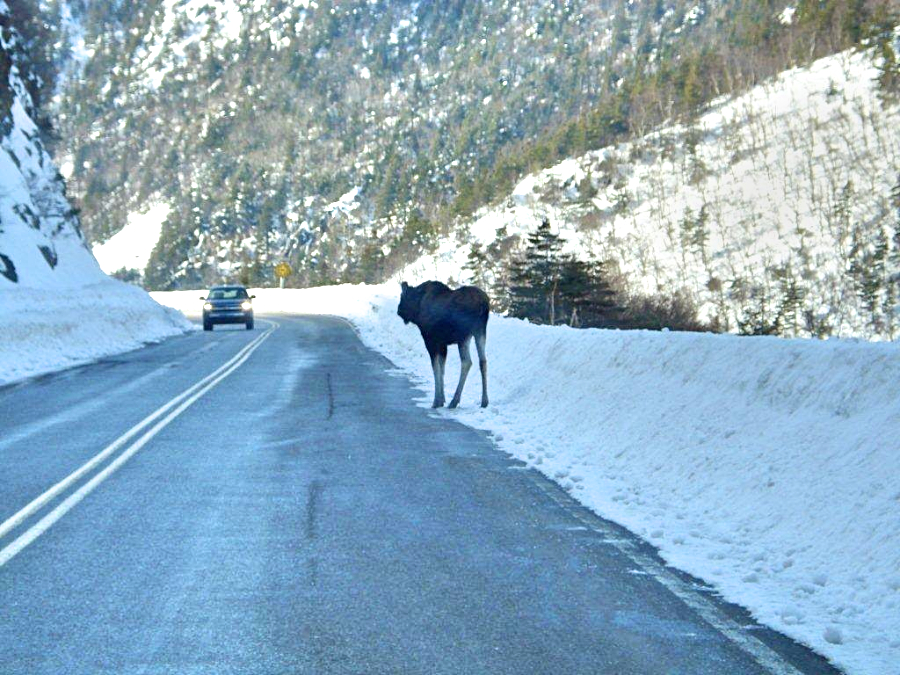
{"x": 250, "y": 119}
{"x": 776, "y": 211}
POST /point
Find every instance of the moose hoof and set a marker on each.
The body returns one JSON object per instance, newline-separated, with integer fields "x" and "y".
{"x": 484, "y": 403}
{"x": 453, "y": 403}
{"x": 437, "y": 404}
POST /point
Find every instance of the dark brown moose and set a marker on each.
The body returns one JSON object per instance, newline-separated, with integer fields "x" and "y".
{"x": 446, "y": 317}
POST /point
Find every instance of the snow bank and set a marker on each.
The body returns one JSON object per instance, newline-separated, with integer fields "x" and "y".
{"x": 767, "y": 467}
{"x": 42, "y": 331}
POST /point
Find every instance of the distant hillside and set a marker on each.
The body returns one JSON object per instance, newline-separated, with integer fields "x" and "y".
{"x": 776, "y": 211}
{"x": 347, "y": 137}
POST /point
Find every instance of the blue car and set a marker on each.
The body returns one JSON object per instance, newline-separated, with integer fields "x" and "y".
{"x": 227, "y": 304}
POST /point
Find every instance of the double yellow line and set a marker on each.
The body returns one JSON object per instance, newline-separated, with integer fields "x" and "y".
{"x": 167, "y": 412}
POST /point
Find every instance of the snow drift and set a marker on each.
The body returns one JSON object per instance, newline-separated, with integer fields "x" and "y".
{"x": 767, "y": 467}
{"x": 44, "y": 331}
{"x": 787, "y": 188}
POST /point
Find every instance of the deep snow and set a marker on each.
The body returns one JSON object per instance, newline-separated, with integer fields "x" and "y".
{"x": 43, "y": 331}
{"x": 767, "y": 467}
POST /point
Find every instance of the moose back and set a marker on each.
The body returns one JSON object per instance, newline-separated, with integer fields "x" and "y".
{"x": 446, "y": 317}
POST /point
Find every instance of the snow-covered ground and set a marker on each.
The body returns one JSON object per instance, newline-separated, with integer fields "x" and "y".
{"x": 44, "y": 330}
{"x": 788, "y": 183}
{"x": 768, "y": 467}
{"x": 130, "y": 247}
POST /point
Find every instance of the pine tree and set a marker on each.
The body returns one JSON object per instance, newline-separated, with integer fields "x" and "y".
{"x": 868, "y": 272}
{"x": 477, "y": 265}
{"x": 888, "y": 68}
{"x": 889, "y": 309}
{"x": 586, "y": 296}
{"x": 695, "y": 231}
{"x": 547, "y": 286}
{"x": 792, "y": 297}
{"x": 895, "y": 202}
{"x": 758, "y": 318}
{"x": 535, "y": 276}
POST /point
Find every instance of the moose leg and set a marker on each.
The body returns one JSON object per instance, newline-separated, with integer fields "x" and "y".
{"x": 480, "y": 339}
{"x": 465, "y": 362}
{"x": 438, "y": 358}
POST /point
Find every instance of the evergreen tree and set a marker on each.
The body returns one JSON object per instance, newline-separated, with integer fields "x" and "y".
{"x": 888, "y": 68}
{"x": 868, "y": 270}
{"x": 547, "y": 286}
{"x": 792, "y": 297}
{"x": 535, "y": 276}
{"x": 895, "y": 202}
{"x": 586, "y": 296}
{"x": 477, "y": 265}
{"x": 695, "y": 231}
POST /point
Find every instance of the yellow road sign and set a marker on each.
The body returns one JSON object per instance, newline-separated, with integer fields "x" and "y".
{"x": 283, "y": 270}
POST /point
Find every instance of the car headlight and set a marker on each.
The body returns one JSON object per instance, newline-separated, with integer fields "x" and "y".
{"x": 246, "y": 306}
{"x": 207, "y": 305}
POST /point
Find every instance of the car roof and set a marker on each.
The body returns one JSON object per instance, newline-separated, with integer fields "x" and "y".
{"x": 226, "y": 288}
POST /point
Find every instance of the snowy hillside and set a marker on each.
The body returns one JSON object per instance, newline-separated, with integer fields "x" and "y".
{"x": 56, "y": 305}
{"x": 249, "y": 119}
{"x": 767, "y": 467}
{"x": 779, "y": 204}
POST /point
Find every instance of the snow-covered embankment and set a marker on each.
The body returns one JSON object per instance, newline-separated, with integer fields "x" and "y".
{"x": 43, "y": 331}
{"x": 767, "y": 467}
{"x": 57, "y": 308}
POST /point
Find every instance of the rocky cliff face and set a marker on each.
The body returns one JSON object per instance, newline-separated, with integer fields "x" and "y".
{"x": 41, "y": 244}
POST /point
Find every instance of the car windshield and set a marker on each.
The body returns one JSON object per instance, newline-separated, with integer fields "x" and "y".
{"x": 227, "y": 294}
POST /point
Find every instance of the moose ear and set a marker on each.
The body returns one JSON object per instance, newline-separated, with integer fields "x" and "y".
{"x": 404, "y": 285}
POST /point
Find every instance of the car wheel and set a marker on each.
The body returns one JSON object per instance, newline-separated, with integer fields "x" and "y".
{"x": 207, "y": 325}
{"x": 250, "y": 324}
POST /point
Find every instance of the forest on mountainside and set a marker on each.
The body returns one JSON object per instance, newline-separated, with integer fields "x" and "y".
{"x": 253, "y": 120}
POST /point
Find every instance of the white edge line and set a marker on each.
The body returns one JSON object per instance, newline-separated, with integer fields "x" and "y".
{"x": 760, "y": 652}
{"x": 233, "y": 363}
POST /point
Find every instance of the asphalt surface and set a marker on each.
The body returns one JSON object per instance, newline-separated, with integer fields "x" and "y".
{"x": 305, "y": 516}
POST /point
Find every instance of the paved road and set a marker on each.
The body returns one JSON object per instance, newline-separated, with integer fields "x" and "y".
{"x": 301, "y": 515}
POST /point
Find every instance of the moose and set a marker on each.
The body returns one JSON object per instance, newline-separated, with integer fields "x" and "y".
{"x": 446, "y": 317}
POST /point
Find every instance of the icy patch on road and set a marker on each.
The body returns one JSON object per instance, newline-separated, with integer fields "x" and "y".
{"x": 767, "y": 467}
